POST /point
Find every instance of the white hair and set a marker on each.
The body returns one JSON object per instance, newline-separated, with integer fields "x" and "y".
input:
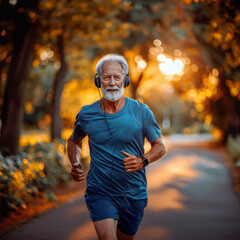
{"x": 112, "y": 58}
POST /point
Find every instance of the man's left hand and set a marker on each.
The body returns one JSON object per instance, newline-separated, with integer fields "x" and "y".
{"x": 131, "y": 162}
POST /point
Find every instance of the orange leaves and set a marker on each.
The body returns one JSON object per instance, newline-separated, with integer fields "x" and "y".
{"x": 234, "y": 88}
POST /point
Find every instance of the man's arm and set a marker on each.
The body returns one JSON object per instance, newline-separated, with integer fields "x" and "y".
{"x": 158, "y": 150}
{"x": 74, "y": 147}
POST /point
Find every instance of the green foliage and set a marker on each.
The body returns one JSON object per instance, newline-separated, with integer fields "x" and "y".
{"x": 233, "y": 145}
{"x": 31, "y": 174}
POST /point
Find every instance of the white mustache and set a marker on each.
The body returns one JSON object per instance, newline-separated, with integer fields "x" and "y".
{"x": 112, "y": 88}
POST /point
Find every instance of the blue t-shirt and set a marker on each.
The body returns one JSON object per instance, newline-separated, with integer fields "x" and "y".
{"x": 108, "y": 135}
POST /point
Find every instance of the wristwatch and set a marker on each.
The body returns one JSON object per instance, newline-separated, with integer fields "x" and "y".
{"x": 144, "y": 161}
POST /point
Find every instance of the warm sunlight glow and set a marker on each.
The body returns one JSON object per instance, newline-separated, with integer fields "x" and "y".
{"x": 215, "y": 72}
{"x": 194, "y": 67}
{"x": 170, "y": 67}
{"x": 161, "y": 57}
{"x": 157, "y": 42}
{"x": 142, "y": 64}
{"x": 167, "y": 199}
{"x": 43, "y": 56}
{"x": 177, "y": 52}
{"x": 138, "y": 58}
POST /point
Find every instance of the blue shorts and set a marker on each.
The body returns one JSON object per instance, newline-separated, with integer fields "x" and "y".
{"x": 128, "y": 212}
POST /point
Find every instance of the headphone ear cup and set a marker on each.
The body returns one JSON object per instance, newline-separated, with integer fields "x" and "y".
{"x": 97, "y": 80}
{"x": 127, "y": 80}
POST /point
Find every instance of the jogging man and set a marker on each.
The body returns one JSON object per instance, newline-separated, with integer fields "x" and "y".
{"x": 116, "y": 126}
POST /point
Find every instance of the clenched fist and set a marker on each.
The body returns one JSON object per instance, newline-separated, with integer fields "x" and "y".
{"x": 131, "y": 162}
{"x": 77, "y": 173}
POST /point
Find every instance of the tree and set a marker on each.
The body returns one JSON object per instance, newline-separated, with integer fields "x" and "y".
{"x": 216, "y": 31}
{"x": 24, "y": 16}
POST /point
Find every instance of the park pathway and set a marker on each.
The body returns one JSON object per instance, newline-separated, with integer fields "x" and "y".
{"x": 190, "y": 198}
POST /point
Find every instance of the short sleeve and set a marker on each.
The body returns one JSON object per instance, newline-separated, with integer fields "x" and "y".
{"x": 78, "y": 128}
{"x": 150, "y": 126}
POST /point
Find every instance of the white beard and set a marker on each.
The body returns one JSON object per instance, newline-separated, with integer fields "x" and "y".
{"x": 112, "y": 96}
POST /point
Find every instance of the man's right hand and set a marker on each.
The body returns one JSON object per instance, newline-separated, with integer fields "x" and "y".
{"x": 77, "y": 173}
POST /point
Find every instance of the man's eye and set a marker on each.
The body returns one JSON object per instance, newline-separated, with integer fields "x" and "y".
{"x": 106, "y": 77}
{"x": 118, "y": 78}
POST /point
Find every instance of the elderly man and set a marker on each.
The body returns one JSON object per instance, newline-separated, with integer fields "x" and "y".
{"x": 116, "y": 192}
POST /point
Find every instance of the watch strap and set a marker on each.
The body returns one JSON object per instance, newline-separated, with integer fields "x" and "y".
{"x": 144, "y": 161}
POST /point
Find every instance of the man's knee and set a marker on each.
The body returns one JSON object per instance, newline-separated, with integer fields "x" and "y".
{"x": 106, "y": 236}
{"x": 123, "y": 236}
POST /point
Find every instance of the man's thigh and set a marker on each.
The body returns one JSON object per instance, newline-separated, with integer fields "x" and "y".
{"x": 106, "y": 228}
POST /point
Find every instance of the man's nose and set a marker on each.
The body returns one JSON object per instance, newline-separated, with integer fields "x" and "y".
{"x": 112, "y": 81}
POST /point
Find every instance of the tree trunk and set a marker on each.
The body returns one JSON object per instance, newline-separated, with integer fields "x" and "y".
{"x": 12, "y": 112}
{"x": 56, "y": 126}
{"x": 134, "y": 87}
{"x": 230, "y": 107}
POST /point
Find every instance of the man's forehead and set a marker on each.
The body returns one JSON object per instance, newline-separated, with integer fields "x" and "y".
{"x": 116, "y": 66}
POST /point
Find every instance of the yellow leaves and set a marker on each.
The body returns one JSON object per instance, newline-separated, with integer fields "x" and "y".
{"x": 228, "y": 37}
{"x": 66, "y": 133}
{"x": 76, "y": 18}
{"x": 237, "y": 18}
{"x": 214, "y": 23}
{"x": 115, "y": 2}
{"x": 217, "y": 36}
{"x": 34, "y": 138}
{"x": 90, "y": 18}
{"x": 41, "y": 166}
{"x": 208, "y": 119}
{"x": 47, "y": 5}
{"x": 190, "y": 1}
{"x": 61, "y": 148}
{"x": 209, "y": 93}
{"x": 25, "y": 161}
{"x": 24, "y": 206}
{"x": 234, "y": 88}
{"x": 76, "y": 93}
{"x": 126, "y": 26}
{"x": 35, "y": 63}
{"x": 105, "y": 32}
{"x": 192, "y": 94}
{"x": 96, "y": 37}
{"x": 108, "y": 24}
{"x": 217, "y": 133}
{"x": 28, "y": 107}
{"x": 186, "y": 131}
{"x": 47, "y": 118}
{"x": 84, "y": 5}
{"x": 199, "y": 107}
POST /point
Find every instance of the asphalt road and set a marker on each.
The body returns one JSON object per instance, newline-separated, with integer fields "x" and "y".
{"x": 190, "y": 198}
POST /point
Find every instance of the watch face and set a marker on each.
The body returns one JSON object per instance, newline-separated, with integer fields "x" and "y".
{"x": 145, "y": 161}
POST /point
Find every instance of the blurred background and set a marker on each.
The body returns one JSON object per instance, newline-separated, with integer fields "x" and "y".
{"x": 184, "y": 62}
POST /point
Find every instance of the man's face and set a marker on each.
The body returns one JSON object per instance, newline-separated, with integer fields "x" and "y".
{"x": 112, "y": 81}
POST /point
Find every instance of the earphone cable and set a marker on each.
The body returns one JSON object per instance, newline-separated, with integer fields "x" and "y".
{"x": 116, "y": 142}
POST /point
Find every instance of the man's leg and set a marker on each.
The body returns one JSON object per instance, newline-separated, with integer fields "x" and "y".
{"x": 123, "y": 236}
{"x": 106, "y": 229}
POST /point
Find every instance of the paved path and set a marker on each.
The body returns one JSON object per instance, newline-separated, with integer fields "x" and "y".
{"x": 190, "y": 198}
